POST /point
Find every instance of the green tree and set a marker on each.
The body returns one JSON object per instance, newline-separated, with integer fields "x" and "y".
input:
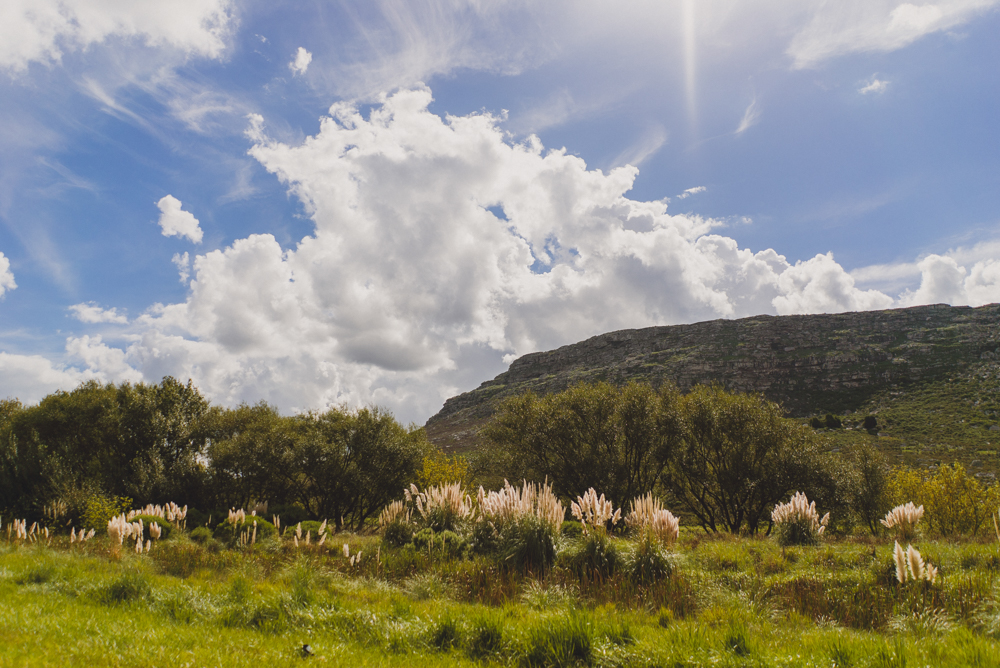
{"x": 130, "y": 440}
{"x": 347, "y": 465}
{"x": 250, "y": 454}
{"x": 618, "y": 440}
{"x": 739, "y": 457}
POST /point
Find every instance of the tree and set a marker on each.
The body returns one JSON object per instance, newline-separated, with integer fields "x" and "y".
{"x": 869, "y": 495}
{"x": 617, "y": 440}
{"x": 348, "y": 465}
{"x": 128, "y": 440}
{"x": 250, "y": 454}
{"x": 738, "y": 458}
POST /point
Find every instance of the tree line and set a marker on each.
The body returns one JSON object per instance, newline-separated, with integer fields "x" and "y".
{"x": 722, "y": 459}
{"x": 165, "y": 442}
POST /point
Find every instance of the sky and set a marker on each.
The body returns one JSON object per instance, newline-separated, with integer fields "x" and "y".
{"x": 385, "y": 203}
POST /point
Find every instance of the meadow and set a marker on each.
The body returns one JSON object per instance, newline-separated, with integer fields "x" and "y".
{"x": 726, "y": 601}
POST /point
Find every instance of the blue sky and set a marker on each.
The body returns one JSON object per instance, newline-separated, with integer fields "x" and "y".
{"x": 386, "y": 202}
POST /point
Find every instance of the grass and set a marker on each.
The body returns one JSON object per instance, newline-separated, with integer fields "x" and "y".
{"x": 726, "y": 602}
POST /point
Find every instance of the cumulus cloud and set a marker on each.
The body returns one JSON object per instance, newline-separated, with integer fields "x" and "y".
{"x": 43, "y": 30}
{"x": 177, "y": 223}
{"x": 839, "y": 28}
{"x": 876, "y": 86}
{"x": 92, "y": 313}
{"x": 31, "y": 377}
{"x": 944, "y": 280}
{"x": 6, "y": 276}
{"x": 439, "y": 250}
{"x": 300, "y": 63}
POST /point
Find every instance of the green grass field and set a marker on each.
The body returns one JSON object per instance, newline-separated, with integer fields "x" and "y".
{"x": 728, "y": 602}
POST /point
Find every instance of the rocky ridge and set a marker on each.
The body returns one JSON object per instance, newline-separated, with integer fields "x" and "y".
{"x": 808, "y": 363}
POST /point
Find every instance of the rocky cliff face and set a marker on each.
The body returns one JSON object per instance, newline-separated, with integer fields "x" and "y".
{"x": 810, "y": 364}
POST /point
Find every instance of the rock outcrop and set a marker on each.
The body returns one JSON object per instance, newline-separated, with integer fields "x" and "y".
{"x": 808, "y": 363}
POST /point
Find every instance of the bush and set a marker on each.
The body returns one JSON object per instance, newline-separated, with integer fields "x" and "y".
{"x": 99, "y": 509}
{"x": 446, "y": 544}
{"x": 229, "y": 533}
{"x": 201, "y": 535}
{"x": 650, "y": 562}
{"x": 955, "y": 503}
{"x": 571, "y": 529}
{"x": 595, "y": 555}
{"x": 397, "y": 534}
{"x": 528, "y": 545}
{"x": 165, "y": 527}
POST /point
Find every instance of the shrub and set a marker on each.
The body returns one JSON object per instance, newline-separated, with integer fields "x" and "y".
{"x": 797, "y": 522}
{"x": 99, "y": 509}
{"x": 440, "y": 469}
{"x": 397, "y": 534}
{"x": 595, "y": 556}
{"x": 230, "y": 532}
{"x": 201, "y": 535}
{"x": 955, "y": 502}
{"x": 649, "y": 562}
{"x": 571, "y": 529}
{"x": 446, "y": 544}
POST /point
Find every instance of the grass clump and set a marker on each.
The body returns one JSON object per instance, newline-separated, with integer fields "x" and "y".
{"x": 563, "y": 641}
{"x": 132, "y": 585}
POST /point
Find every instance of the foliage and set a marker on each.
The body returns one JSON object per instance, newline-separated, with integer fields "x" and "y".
{"x": 230, "y": 532}
{"x": 349, "y": 464}
{"x": 595, "y": 555}
{"x": 439, "y": 469}
{"x": 869, "y": 491}
{"x": 201, "y": 535}
{"x": 739, "y": 457}
{"x": 99, "y": 509}
{"x": 955, "y": 502}
{"x": 136, "y": 440}
{"x": 446, "y": 544}
{"x": 619, "y": 440}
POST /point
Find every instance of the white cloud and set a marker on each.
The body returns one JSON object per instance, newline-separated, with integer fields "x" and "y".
{"x": 820, "y": 285}
{"x": 839, "y": 28}
{"x": 300, "y": 63}
{"x": 750, "y": 117}
{"x": 92, "y": 313}
{"x": 177, "y": 223}
{"x": 944, "y": 280}
{"x": 874, "y": 86}
{"x": 183, "y": 263}
{"x": 691, "y": 191}
{"x": 6, "y": 276}
{"x": 439, "y": 250}
{"x": 31, "y": 377}
{"x": 43, "y": 30}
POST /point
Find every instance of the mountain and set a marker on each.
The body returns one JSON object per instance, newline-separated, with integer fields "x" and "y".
{"x": 888, "y": 363}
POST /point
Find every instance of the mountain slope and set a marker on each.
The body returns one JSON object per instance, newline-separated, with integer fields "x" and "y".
{"x": 876, "y": 361}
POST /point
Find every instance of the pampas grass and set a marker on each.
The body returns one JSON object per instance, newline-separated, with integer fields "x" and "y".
{"x": 649, "y": 516}
{"x": 594, "y": 512}
{"x": 904, "y": 519}
{"x": 797, "y": 522}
